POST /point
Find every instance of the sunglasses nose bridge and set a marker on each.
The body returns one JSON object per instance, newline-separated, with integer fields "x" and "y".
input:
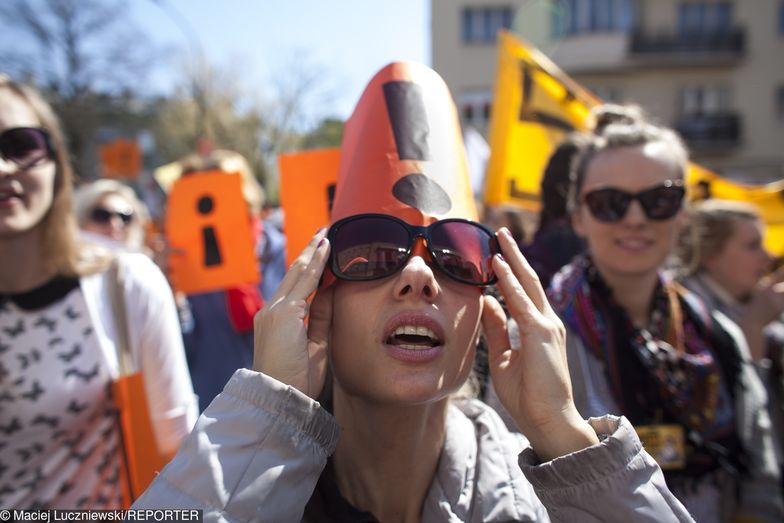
{"x": 635, "y": 209}
{"x": 419, "y": 246}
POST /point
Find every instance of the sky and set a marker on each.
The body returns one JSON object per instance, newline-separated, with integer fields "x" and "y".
{"x": 349, "y": 40}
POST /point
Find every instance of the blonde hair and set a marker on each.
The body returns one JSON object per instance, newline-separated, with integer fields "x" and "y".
{"x": 711, "y": 224}
{"x": 87, "y": 196}
{"x": 609, "y": 114}
{"x": 60, "y": 248}
{"x": 230, "y": 162}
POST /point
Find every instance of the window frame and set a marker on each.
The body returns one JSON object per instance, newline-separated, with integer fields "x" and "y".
{"x": 480, "y": 25}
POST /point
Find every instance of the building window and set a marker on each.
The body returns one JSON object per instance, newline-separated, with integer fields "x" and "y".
{"x": 704, "y": 100}
{"x": 468, "y": 113}
{"x": 475, "y": 107}
{"x": 601, "y": 15}
{"x": 486, "y": 108}
{"x": 571, "y": 17}
{"x": 481, "y": 24}
{"x": 704, "y": 17}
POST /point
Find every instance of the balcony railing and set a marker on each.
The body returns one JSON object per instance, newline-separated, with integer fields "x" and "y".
{"x": 726, "y": 42}
{"x": 710, "y": 130}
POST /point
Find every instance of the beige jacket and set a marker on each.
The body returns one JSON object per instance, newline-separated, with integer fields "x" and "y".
{"x": 257, "y": 452}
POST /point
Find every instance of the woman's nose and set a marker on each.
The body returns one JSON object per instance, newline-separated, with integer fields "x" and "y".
{"x": 7, "y": 167}
{"x": 635, "y": 213}
{"x": 417, "y": 279}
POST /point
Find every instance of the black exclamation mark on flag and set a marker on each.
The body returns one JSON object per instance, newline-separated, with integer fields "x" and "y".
{"x": 212, "y": 254}
{"x": 408, "y": 117}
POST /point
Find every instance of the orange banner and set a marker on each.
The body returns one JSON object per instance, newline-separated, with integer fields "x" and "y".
{"x": 120, "y": 159}
{"x": 208, "y": 229}
{"x": 307, "y": 188}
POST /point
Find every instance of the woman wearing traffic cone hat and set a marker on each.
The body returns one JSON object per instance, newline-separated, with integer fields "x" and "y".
{"x": 397, "y": 319}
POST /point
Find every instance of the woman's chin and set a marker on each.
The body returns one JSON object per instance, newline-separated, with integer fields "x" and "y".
{"x": 405, "y": 389}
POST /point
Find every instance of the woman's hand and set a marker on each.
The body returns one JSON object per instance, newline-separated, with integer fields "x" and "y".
{"x": 285, "y": 346}
{"x": 533, "y": 382}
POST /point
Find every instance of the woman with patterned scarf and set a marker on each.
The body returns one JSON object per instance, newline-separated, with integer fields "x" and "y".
{"x": 642, "y": 346}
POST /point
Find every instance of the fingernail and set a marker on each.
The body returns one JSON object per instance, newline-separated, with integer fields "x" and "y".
{"x": 320, "y": 243}
{"x": 506, "y": 232}
{"x": 501, "y": 257}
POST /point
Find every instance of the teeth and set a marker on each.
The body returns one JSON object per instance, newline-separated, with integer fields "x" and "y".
{"x": 412, "y": 330}
{"x": 413, "y": 347}
{"x": 633, "y": 243}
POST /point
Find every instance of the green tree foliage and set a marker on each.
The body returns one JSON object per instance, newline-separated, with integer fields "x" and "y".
{"x": 328, "y": 133}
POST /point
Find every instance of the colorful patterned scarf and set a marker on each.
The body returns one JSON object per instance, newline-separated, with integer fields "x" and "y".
{"x": 675, "y": 371}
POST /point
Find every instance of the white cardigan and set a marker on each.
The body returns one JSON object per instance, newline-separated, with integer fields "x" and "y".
{"x": 156, "y": 344}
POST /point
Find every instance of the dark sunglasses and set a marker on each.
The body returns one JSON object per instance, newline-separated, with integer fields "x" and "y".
{"x": 25, "y": 146}
{"x": 103, "y": 216}
{"x": 659, "y": 203}
{"x": 373, "y": 246}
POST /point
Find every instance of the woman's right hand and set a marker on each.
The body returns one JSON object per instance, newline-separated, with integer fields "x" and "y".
{"x": 286, "y": 347}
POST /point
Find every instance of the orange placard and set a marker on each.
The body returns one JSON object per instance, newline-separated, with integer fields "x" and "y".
{"x": 120, "y": 159}
{"x": 208, "y": 229}
{"x": 307, "y": 187}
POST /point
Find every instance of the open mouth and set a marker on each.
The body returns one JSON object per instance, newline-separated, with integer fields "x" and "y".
{"x": 412, "y": 337}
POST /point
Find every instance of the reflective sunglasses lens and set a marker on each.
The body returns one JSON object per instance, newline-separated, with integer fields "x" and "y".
{"x": 100, "y": 216}
{"x": 369, "y": 248}
{"x": 103, "y": 216}
{"x": 607, "y": 205}
{"x": 24, "y": 145}
{"x": 464, "y": 251}
{"x": 662, "y": 203}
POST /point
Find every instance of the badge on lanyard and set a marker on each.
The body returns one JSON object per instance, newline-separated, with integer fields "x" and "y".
{"x": 665, "y": 443}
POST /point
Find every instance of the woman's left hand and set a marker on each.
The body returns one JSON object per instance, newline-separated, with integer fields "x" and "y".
{"x": 533, "y": 382}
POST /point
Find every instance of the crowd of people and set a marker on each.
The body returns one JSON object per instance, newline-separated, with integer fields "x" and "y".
{"x": 628, "y": 355}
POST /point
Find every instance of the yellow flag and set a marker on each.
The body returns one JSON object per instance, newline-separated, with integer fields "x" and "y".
{"x": 769, "y": 199}
{"x": 534, "y": 106}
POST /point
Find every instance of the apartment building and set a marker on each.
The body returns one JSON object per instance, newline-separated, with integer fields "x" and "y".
{"x": 712, "y": 69}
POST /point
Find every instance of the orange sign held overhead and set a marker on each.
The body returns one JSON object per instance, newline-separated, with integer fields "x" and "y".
{"x": 120, "y": 159}
{"x": 307, "y": 188}
{"x": 209, "y": 232}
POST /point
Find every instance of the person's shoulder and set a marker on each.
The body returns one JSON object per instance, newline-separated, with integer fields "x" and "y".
{"x": 136, "y": 261}
{"x": 140, "y": 270}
